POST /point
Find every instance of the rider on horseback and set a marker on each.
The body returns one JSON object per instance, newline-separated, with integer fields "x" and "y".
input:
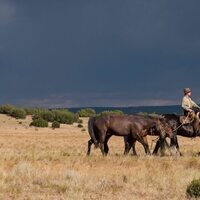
{"x": 191, "y": 110}
{"x": 188, "y": 104}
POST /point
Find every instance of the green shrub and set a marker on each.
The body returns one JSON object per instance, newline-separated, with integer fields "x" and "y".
{"x": 65, "y": 117}
{"x": 112, "y": 112}
{"x": 18, "y": 113}
{"x": 88, "y": 112}
{"x": 55, "y": 124}
{"x": 80, "y": 126}
{"x": 48, "y": 116}
{"x": 39, "y": 123}
{"x": 7, "y": 109}
{"x": 193, "y": 189}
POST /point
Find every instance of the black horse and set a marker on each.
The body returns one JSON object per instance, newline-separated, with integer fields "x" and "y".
{"x": 189, "y": 130}
{"x": 133, "y": 127}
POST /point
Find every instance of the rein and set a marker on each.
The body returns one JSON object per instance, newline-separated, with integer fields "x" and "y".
{"x": 184, "y": 122}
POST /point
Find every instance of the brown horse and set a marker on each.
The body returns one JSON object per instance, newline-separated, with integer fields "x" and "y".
{"x": 134, "y": 127}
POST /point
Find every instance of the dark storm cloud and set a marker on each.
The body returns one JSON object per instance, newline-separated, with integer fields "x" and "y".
{"x": 94, "y": 53}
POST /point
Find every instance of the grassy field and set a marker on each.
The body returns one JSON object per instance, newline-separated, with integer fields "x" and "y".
{"x": 41, "y": 163}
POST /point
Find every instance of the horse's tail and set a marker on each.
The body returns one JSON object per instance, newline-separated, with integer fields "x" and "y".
{"x": 91, "y": 131}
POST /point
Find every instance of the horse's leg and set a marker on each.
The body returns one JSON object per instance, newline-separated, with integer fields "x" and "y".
{"x": 162, "y": 145}
{"x": 133, "y": 147}
{"x": 90, "y": 142}
{"x": 106, "y": 148}
{"x": 174, "y": 144}
{"x": 127, "y": 144}
{"x": 146, "y": 146}
{"x": 144, "y": 142}
{"x": 155, "y": 151}
{"x": 102, "y": 142}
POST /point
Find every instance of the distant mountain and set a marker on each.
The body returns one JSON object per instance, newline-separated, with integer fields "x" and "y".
{"x": 133, "y": 110}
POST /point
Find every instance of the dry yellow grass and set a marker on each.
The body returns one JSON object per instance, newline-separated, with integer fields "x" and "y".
{"x": 41, "y": 163}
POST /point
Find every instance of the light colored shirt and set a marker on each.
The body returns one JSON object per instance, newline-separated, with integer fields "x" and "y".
{"x": 188, "y": 103}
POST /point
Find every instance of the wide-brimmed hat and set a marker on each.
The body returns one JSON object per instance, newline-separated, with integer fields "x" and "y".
{"x": 187, "y": 90}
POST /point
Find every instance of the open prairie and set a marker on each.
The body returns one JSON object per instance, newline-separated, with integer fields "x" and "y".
{"x": 41, "y": 163}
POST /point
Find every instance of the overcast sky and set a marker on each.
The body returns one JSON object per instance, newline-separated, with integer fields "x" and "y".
{"x": 70, "y": 53}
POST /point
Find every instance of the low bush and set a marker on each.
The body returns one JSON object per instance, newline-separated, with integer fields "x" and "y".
{"x": 18, "y": 113}
{"x": 7, "y": 109}
{"x": 193, "y": 189}
{"x": 55, "y": 124}
{"x": 39, "y": 123}
{"x": 65, "y": 117}
{"x": 88, "y": 112}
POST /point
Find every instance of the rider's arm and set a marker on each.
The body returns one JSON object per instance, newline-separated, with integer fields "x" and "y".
{"x": 194, "y": 104}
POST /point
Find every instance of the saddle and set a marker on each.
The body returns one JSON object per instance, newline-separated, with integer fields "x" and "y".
{"x": 188, "y": 119}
